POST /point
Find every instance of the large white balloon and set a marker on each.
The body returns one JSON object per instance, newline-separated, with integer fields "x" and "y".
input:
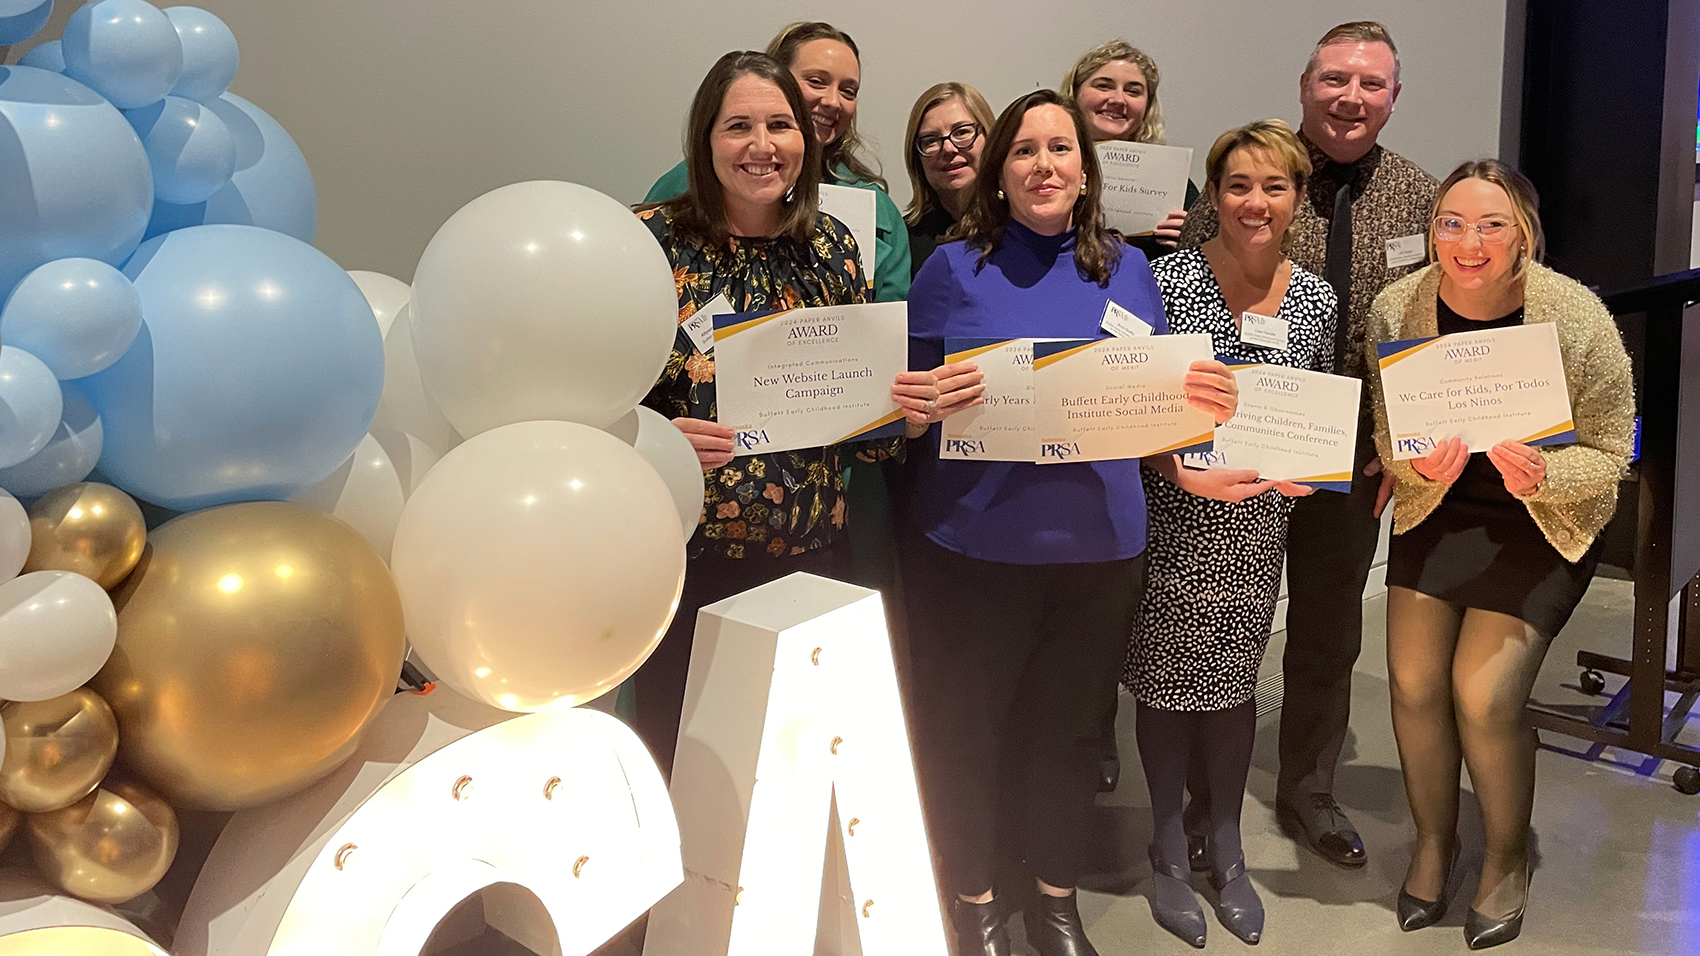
{"x": 365, "y": 492}
{"x": 406, "y": 407}
{"x": 14, "y": 536}
{"x": 539, "y": 564}
{"x": 56, "y": 631}
{"x": 542, "y": 301}
{"x": 386, "y": 295}
{"x": 669, "y": 452}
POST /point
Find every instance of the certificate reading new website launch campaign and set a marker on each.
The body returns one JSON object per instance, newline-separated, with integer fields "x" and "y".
{"x": 1118, "y": 398}
{"x": 1142, "y": 182}
{"x": 803, "y": 378}
{"x": 1292, "y": 425}
{"x": 1484, "y": 387}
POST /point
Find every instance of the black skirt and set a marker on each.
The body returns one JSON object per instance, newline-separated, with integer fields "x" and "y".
{"x": 1481, "y": 549}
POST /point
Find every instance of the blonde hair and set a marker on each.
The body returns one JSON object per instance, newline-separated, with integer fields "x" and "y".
{"x": 923, "y": 197}
{"x": 848, "y": 150}
{"x": 1357, "y": 31}
{"x": 1525, "y": 207}
{"x": 1151, "y": 128}
{"x": 1271, "y": 137}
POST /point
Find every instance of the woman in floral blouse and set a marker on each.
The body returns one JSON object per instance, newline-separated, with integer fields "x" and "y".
{"x": 748, "y": 227}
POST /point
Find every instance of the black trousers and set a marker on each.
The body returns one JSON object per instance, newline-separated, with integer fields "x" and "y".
{"x": 1330, "y": 546}
{"x": 1011, "y": 664}
{"x": 660, "y": 682}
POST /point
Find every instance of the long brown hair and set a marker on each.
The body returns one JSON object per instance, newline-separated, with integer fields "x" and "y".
{"x": 701, "y": 209}
{"x": 848, "y": 149}
{"x": 1097, "y": 248}
{"x": 923, "y": 198}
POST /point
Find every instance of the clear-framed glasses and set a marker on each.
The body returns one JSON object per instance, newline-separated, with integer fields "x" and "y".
{"x": 962, "y": 136}
{"x": 1491, "y": 231}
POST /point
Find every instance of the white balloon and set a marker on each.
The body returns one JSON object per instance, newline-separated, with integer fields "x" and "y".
{"x": 411, "y": 457}
{"x": 405, "y": 406}
{"x": 669, "y": 452}
{"x": 539, "y": 564}
{"x": 14, "y": 536}
{"x": 56, "y": 631}
{"x": 365, "y": 492}
{"x": 542, "y": 301}
{"x": 385, "y": 294}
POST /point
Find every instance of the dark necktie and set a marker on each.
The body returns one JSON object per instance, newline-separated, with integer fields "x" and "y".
{"x": 1337, "y": 269}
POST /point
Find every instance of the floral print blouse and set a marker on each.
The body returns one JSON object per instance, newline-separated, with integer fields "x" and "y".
{"x": 782, "y": 503}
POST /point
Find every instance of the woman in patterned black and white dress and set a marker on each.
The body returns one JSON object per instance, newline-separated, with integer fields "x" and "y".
{"x": 1218, "y": 537}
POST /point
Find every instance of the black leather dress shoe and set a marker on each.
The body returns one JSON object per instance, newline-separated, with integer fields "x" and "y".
{"x": 1197, "y": 844}
{"x": 1238, "y": 906}
{"x": 1053, "y": 927}
{"x": 1481, "y": 932}
{"x": 1109, "y": 771}
{"x": 979, "y": 929}
{"x": 1317, "y": 821}
{"x": 1415, "y": 912}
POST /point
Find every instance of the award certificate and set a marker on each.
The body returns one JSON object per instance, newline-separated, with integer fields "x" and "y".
{"x": 1484, "y": 387}
{"x": 856, "y": 209}
{"x": 1117, "y": 398}
{"x": 1003, "y": 427}
{"x": 803, "y": 378}
{"x": 1142, "y": 182}
{"x": 1292, "y": 425}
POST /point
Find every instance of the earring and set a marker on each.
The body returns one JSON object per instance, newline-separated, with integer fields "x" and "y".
{"x": 1000, "y": 194}
{"x": 791, "y": 193}
{"x": 1083, "y": 187}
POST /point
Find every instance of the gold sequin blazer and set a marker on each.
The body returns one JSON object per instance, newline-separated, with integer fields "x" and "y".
{"x": 1579, "y": 493}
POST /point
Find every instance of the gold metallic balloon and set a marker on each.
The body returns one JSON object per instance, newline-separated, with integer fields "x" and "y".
{"x": 255, "y": 642}
{"x": 90, "y": 528}
{"x": 112, "y": 845}
{"x": 9, "y": 820}
{"x": 57, "y": 750}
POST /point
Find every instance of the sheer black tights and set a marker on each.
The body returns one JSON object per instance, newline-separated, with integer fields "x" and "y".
{"x": 1213, "y": 748}
{"x": 1460, "y": 680}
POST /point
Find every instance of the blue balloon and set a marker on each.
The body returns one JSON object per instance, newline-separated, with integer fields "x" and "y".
{"x": 126, "y": 50}
{"x": 30, "y": 405}
{"x": 19, "y": 21}
{"x": 271, "y": 188}
{"x": 74, "y": 179}
{"x": 49, "y": 56}
{"x": 191, "y": 151}
{"x": 77, "y": 315}
{"x": 257, "y": 371}
{"x": 210, "y": 54}
{"x": 70, "y": 455}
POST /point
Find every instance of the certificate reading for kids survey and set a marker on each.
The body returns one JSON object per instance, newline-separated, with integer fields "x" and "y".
{"x": 1101, "y": 399}
{"x": 1484, "y": 387}
{"x": 803, "y": 378}
{"x": 1142, "y": 182}
{"x": 1292, "y": 425}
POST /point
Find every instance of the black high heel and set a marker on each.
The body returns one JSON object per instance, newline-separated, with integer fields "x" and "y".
{"x": 1415, "y": 912}
{"x": 1245, "y": 919}
{"x": 1186, "y": 923}
{"x": 1480, "y": 932}
{"x": 979, "y": 929}
{"x": 1053, "y": 927}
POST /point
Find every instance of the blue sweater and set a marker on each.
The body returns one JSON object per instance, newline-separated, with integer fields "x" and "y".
{"x": 1014, "y": 512}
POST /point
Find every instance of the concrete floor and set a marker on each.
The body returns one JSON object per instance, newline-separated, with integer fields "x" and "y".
{"x": 1618, "y": 848}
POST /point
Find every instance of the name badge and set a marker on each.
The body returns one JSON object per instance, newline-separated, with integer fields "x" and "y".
{"x": 1123, "y": 324}
{"x": 700, "y": 326}
{"x": 1265, "y": 330}
{"x": 1407, "y": 251}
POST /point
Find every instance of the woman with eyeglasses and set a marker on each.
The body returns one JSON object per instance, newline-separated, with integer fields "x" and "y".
{"x": 947, "y": 130}
{"x": 1491, "y": 551}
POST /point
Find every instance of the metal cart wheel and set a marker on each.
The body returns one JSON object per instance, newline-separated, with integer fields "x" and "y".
{"x": 1593, "y": 682}
{"x": 1687, "y": 780}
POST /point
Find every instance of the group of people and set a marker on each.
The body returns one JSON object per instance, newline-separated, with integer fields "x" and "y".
{"x": 1083, "y": 576}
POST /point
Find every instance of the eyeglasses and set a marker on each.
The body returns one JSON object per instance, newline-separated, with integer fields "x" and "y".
{"x": 962, "y": 136}
{"x": 1490, "y": 231}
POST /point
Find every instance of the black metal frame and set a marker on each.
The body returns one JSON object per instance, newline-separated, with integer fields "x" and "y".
{"x": 1663, "y": 562}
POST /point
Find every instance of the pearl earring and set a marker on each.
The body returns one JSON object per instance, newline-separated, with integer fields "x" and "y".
{"x": 1000, "y": 194}
{"x": 1083, "y": 188}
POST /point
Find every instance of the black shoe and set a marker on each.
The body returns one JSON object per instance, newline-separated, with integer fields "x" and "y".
{"x": 1197, "y": 830}
{"x": 979, "y": 929}
{"x": 1173, "y": 904}
{"x": 1238, "y": 906}
{"x": 1053, "y": 927}
{"x": 1480, "y": 932}
{"x": 1317, "y": 821}
{"x": 1415, "y": 912}
{"x": 1109, "y": 770}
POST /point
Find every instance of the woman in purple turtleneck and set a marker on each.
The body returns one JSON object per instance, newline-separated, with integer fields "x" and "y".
{"x": 1023, "y": 579}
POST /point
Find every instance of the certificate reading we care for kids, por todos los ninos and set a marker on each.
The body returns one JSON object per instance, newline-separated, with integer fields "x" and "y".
{"x": 804, "y": 378}
{"x": 1485, "y": 387}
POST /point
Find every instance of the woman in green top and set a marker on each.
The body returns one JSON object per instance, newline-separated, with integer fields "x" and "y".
{"x": 828, "y": 68}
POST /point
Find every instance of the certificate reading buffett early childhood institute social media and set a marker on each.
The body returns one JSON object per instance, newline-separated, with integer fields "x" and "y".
{"x": 1292, "y": 425}
{"x": 803, "y": 378}
{"x": 1104, "y": 399}
{"x": 1484, "y": 387}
